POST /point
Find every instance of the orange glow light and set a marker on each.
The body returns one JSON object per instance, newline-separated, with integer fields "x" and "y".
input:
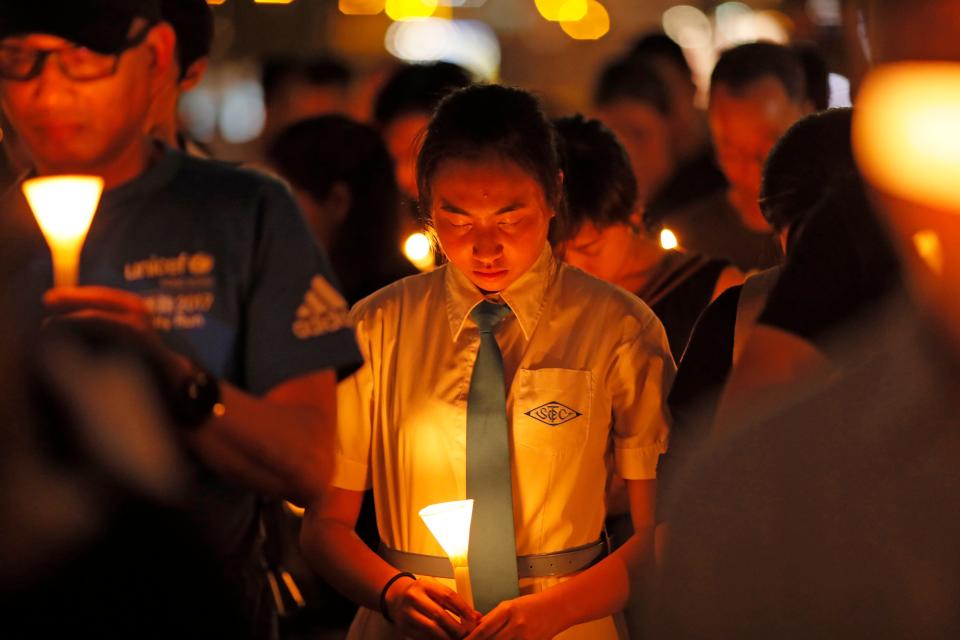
{"x": 419, "y": 251}
{"x": 558, "y": 10}
{"x": 592, "y": 26}
{"x": 361, "y": 7}
{"x": 906, "y": 132}
{"x": 930, "y": 250}
{"x": 410, "y": 9}
{"x": 668, "y": 240}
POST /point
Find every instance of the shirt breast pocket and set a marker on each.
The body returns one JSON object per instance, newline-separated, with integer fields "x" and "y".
{"x": 551, "y": 408}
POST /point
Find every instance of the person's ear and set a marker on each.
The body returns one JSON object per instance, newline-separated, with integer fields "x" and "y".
{"x": 338, "y": 202}
{"x": 162, "y": 43}
{"x": 194, "y": 74}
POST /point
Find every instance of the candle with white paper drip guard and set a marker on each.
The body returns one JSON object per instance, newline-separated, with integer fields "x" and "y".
{"x": 64, "y": 207}
{"x": 449, "y": 522}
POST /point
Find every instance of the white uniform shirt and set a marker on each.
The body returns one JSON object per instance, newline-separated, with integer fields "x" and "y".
{"x": 587, "y": 369}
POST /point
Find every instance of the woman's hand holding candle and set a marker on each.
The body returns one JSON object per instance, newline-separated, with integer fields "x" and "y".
{"x": 532, "y": 617}
{"x": 425, "y": 608}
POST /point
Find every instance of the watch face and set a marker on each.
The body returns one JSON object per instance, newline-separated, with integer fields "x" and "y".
{"x": 200, "y": 401}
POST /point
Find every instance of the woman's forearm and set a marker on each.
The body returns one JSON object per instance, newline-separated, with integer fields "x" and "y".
{"x": 333, "y": 549}
{"x": 605, "y": 588}
{"x": 418, "y": 608}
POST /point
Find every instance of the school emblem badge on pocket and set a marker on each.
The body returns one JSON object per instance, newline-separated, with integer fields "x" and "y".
{"x": 553, "y": 414}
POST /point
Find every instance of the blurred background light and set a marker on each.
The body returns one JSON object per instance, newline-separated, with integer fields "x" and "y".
{"x": 242, "y": 111}
{"x": 906, "y": 132}
{"x": 273, "y": 1}
{"x": 668, "y": 240}
{"x": 361, "y": 7}
{"x": 410, "y": 9}
{"x": 469, "y": 43}
{"x": 736, "y": 23}
{"x": 592, "y": 26}
{"x": 421, "y": 40}
{"x": 688, "y": 26}
{"x": 557, "y": 10}
{"x": 839, "y": 91}
{"x": 930, "y": 249}
{"x": 419, "y": 251}
{"x": 462, "y": 3}
{"x": 826, "y": 13}
{"x": 198, "y": 110}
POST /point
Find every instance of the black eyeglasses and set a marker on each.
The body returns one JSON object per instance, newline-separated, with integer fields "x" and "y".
{"x": 76, "y": 62}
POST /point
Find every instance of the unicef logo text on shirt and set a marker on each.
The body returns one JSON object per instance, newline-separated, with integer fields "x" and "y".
{"x": 184, "y": 294}
{"x": 185, "y": 264}
{"x": 323, "y": 311}
{"x": 553, "y": 414}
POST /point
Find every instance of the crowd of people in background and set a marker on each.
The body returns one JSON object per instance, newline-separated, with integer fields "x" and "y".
{"x": 228, "y": 428}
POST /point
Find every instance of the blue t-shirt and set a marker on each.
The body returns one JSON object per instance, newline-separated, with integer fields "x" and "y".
{"x": 233, "y": 278}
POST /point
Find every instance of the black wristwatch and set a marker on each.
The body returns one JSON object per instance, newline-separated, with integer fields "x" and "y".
{"x": 198, "y": 399}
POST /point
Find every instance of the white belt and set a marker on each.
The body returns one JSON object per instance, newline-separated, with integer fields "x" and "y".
{"x": 533, "y": 566}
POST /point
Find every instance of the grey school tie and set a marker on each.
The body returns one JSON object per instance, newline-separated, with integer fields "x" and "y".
{"x": 493, "y": 549}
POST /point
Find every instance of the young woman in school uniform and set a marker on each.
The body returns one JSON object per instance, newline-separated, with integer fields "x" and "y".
{"x": 581, "y": 369}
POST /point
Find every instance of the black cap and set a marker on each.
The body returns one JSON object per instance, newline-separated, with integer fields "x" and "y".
{"x": 101, "y": 25}
{"x": 192, "y": 20}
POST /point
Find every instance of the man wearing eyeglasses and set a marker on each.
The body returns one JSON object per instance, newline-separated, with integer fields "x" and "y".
{"x": 210, "y": 266}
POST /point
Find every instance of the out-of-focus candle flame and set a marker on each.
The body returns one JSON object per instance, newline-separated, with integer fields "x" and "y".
{"x": 419, "y": 251}
{"x": 64, "y": 207}
{"x": 668, "y": 240}
{"x": 906, "y": 132}
{"x": 930, "y": 250}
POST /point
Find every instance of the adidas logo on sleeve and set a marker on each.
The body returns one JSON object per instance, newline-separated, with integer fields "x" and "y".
{"x": 323, "y": 311}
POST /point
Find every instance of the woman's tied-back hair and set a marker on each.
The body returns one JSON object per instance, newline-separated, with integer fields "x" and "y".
{"x": 811, "y": 164}
{"x": 491, "y": 121}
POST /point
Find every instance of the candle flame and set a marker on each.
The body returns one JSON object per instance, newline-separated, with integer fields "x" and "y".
{"x": 64, "y": 207}
{"x": 449, "y": 522}
{"x": 668, "y": 240}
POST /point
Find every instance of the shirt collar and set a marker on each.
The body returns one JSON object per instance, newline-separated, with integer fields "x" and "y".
{"x": 525, "y": 297}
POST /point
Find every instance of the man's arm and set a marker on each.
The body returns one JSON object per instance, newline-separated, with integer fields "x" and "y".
{"x": 280, "y": 444}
